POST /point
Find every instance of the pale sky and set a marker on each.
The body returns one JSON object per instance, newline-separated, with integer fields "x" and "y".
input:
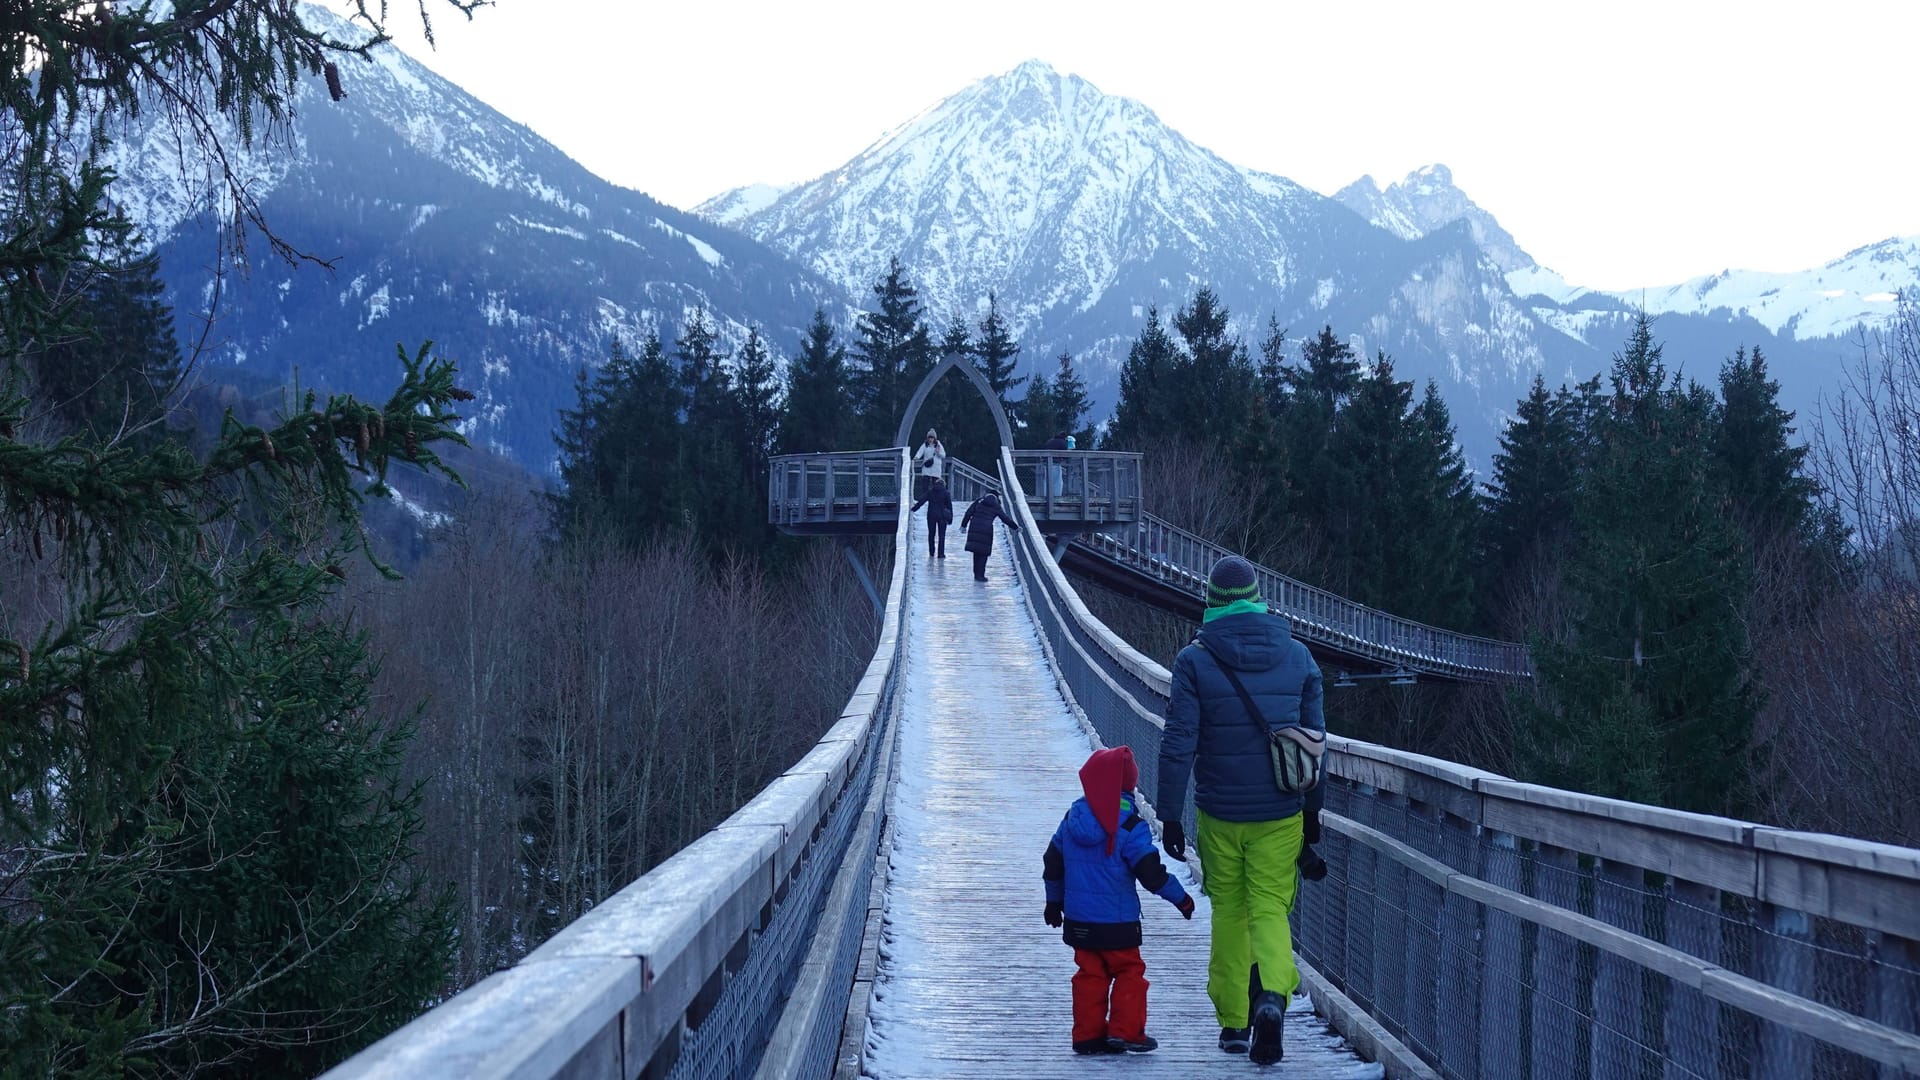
{"x": 1623, "y": 143}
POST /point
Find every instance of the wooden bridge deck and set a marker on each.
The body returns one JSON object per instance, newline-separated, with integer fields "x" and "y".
{"x": 971, "y": 982}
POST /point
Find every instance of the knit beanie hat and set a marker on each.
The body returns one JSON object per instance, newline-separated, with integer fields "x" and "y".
{"x": 1106, "y": 776}
{"x": 1232, "y": 580}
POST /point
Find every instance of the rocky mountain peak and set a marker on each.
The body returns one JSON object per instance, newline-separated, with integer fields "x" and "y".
{"x": 1426, "y": 200}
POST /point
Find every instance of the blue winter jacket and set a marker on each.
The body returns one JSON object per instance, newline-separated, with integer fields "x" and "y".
{"x": 1102, "y": 908}
{"x": 1209, "y": 733}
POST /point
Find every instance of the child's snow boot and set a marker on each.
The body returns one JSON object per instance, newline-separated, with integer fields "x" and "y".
{"x": 1147, "y": 1044}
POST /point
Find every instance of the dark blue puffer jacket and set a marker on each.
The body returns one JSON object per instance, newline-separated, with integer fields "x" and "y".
{"x": 1102, "y": 908}
{"x": 1209, "y": 733}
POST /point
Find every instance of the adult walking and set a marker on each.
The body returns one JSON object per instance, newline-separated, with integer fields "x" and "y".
{"x": 939, "y": 503}
{"x": 929, "y": 463}
{"x": 1243, "y": 680}
{"x": 978, "y": 521}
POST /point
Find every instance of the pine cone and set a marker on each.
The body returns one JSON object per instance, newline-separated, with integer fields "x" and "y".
{"x": 334, "y": 89}
{"x": 459, "y": 394}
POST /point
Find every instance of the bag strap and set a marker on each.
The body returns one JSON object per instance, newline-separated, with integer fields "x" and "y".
{"x": 1253, "y": 711}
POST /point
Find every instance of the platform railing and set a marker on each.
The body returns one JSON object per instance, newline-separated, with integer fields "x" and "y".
{"x": 1158, "y": 549}
{"x": 1496, "y": 928}
{"x": 686, "y": 971}
{"x": 1095, "y": 486}
{"x": 836, "y": 488}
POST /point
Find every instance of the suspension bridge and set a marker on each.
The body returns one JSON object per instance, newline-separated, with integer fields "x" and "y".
{"x": 875, "y": 911}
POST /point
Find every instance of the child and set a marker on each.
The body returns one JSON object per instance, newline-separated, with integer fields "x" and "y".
{"x": 1099, "y": 850}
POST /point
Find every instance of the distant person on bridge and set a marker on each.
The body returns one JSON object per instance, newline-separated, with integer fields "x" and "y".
{"x": 1100, "y": 849}
{"x": 1243, "y": 681}
{"x": 939, "y": 503}
{"x": 978, "y": 521}
{"x": 1056, "y": 473}
{"x": 929, "y": 462}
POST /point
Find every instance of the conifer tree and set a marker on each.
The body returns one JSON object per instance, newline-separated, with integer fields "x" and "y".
{"x": 996, "y": 353}
{"x": 817, "y": 415}
{"x": 112, "y": 375}
{"x": 1072, "y": 407}
{"x": 1653, "y": 679}
{"x": 892, "y": 353}
{"x": 207, "y": 839}
{"x": 1763, "y": 471}
{"x": 1530, "y": 500}
{"x": 756, "y": 386}
{"x": 1145, "y": 411}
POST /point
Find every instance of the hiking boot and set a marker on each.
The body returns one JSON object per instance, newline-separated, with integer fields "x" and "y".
{"x": 1095, "y": 1046}
{"x": 1146, "y": 1045}
{"x": 1269, "y": 1020}
{"x": 1234, "y": 1040}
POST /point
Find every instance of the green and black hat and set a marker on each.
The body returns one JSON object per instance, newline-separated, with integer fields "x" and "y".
{"x": 1232, "y": 581}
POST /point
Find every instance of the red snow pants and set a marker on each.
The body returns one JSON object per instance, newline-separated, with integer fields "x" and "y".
{"x": 1124, "y": 974}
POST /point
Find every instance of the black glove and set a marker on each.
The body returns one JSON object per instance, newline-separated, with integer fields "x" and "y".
{"x": 1056, "y": 913}
{"x": 1310, "y": 827}
{"x": 1312, "y": 866}
{"x": 1173, "y": 837}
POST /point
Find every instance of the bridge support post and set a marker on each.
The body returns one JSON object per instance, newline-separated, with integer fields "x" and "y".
{"x": 866, "y": 579}
{"x": 1505, "y": 1000}
{"x": 1783, "y": 954}
{"x": 1464, "y": 977}
{"x": 1562, "y": 974}
{"x": 1893, "y": 997}
{"x": 1693, "y": 1019}
{"x": 1619, "y": 1035}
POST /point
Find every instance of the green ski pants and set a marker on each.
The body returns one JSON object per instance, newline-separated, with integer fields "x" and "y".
{"x": 1250, "y": 872}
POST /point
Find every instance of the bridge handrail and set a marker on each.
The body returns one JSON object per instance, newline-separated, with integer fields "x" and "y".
{"x": 1702, "y": 945}
{"x": 642, "y": 983}
{"x": 832, "y": 487}
{"x": 1182, "y": 558}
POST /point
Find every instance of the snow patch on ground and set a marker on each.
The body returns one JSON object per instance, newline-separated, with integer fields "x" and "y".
{"x": 557, "y": 230}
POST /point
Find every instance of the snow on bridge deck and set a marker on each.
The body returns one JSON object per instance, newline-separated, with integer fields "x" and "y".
{"x": 971, "y": 982}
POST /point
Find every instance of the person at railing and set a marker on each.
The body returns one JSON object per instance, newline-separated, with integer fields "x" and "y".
{"x": 939, "y": 503}
{"x": 978, "y": 521}
{"x": 1242, "y": 680}
{"x": 1100, "y": 849}
{"x": 929, "y": 462}
{"x": 1054, "y": 482}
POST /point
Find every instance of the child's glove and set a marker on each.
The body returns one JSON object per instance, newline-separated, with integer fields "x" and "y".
{"x": 1055, "y": 913}
{"x": 1186, "y": 907}
{"x": 1312, "y": 866}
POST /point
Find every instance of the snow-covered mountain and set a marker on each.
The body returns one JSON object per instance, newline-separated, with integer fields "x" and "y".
{"x": 446, "y": 220}
{"x": 1427, "y": 200}
{"x": 1080, "y": 210}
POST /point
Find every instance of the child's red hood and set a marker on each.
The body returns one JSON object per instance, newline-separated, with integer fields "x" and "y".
{"x": 1106, "y": 776}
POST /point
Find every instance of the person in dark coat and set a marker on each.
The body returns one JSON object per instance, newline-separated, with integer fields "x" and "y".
{"x": 1100, "y": 849}
{"x": 939, "y": 503}
{"x": 1253, "y": 836}
{"x": 978, "y": 521}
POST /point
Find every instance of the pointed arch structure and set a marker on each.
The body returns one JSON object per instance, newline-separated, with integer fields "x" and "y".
{"x": 904, "y": 437}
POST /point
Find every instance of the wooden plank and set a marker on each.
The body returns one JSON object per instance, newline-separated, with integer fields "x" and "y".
{"x": 1694, "y": 847}
{"x": 530, "y": 1020}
